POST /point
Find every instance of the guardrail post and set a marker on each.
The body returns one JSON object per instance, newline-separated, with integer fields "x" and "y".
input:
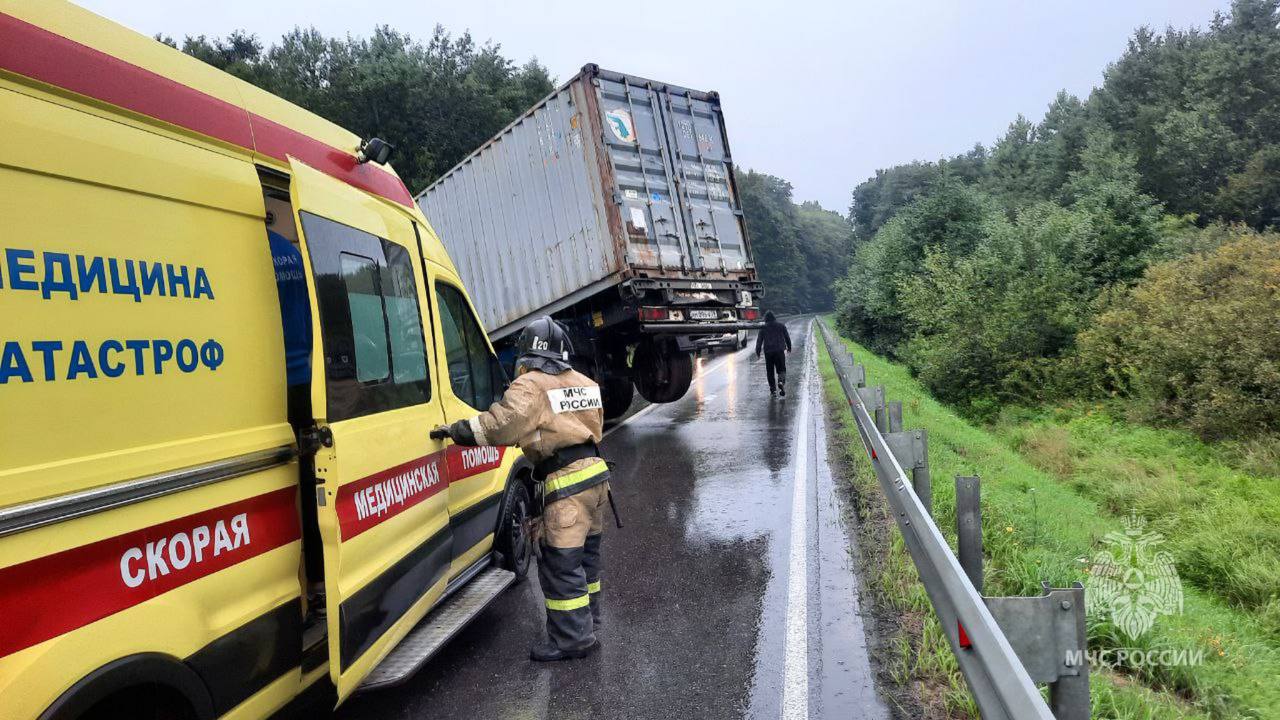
{"x": 895, "y": 416}
{"x": 873, "y": 400}
{"x": 921, "y": 481}
{"x": 969, "y": 528}
{"x": 1069, "y": 696}
{"x": 911, "y": 450}
{"x": 1048, "y": 634}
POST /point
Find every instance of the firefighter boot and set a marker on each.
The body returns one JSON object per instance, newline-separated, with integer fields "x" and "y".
{"x": 569, "y": 626}
{"x": 591, "y": 564}
{"x": 546, "y": 651}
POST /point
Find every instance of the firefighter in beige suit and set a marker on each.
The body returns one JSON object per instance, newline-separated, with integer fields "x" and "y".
{"x": 555, "y": 415}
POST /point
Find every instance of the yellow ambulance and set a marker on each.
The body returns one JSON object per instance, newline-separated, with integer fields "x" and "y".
{"x": 226, "y": 332}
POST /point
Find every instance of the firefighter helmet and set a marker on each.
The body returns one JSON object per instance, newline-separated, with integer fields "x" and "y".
{"x": 544, "y": 338}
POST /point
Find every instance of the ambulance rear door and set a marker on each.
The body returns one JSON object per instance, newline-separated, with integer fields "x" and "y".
{"x": 382, "y": 491}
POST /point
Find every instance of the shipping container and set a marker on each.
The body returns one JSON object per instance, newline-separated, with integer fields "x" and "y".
{"x": 612, "y": 205}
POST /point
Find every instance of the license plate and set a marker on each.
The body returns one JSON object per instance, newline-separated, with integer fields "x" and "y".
{"x": 703, "y": 314}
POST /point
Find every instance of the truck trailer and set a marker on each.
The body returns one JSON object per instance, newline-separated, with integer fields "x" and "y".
{"x": 612, "y": 206}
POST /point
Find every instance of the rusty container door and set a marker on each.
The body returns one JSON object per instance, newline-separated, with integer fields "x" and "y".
{"x": 673, "y": 175}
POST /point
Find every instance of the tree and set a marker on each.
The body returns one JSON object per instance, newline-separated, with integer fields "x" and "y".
{"x": 948, "y": 219}
{"x": 987, "y": 325}
{"x": 1125, "y": 221}
{"x": 878, "y": 199}
{"x": 1196, "y": 342}
{"x": 1253, "y": 195}
{"x": 1012, "y": 172}
{"x": 1061, "y": 139}
{"x": 435, "y": 102}
{"x": 771, "y": 224}
{"x": 986, "y": 271}
{"x": 826, "y": 247}
{"x": 800, "y": 250}
{"x": 1192, "y": 159}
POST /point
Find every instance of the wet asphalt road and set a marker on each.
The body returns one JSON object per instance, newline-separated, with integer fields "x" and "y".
{"x": 730, "y": 592}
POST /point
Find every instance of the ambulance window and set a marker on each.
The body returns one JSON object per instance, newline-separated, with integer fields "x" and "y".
{"x": 474, "y": 373}
{"x": 370, "y": 323}
{"x": 404, "y": 323}
{"x": 368, "y": 326}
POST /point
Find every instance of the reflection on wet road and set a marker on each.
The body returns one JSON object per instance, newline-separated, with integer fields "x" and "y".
{"x": 730, "y": 592}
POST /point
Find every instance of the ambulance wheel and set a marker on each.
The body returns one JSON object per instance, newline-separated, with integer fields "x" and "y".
{"x": 662, "y": 372}
{"x": 515, "y": 529}
{"x": 141, "y": 704}
{"x": 618, "y": 394}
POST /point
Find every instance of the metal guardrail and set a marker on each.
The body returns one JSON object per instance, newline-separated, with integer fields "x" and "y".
{"x": 1004, "y": 645}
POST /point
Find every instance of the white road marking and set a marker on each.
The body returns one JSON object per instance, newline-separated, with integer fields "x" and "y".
{"x": 795, "y": 663}
{"x": 641, "y": 412}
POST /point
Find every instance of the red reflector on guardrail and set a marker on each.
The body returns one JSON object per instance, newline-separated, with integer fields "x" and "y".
{"x": 965, "y": 642}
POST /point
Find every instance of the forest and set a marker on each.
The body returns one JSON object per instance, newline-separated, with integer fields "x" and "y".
{"x": 1119, "y": 247}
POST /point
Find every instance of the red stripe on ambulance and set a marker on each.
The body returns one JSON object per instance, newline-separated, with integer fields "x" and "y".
{"x": 465, "y": 462}
{"x": 52, "y": 595}
{"x": 55, "y": 60}
{"x": 379, "y": 497}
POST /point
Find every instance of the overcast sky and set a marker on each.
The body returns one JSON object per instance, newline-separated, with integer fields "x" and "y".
{"x": 820, "y": 92}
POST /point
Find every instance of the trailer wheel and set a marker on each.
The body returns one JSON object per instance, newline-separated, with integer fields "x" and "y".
{"x": 662, "y": 372}
{"x": 618, "y": 394}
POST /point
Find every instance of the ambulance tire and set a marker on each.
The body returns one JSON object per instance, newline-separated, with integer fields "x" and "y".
{"x": 514, "y": 541}
{"x": 145, "y": 704}
{"x": 147, "y": 686}
{"x": 618, "y": 394}
{"x": 662, "y": 374}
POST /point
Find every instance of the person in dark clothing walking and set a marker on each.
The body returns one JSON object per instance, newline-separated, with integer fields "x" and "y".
{"x": 775, "y": 342}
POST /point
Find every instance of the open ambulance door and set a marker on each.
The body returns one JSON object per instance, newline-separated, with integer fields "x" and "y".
{"x": 382, "y": 490}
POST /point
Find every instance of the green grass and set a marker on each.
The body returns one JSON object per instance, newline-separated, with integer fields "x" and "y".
{"x": 1222, "y": 524}
{"x": 1050, "y": 491}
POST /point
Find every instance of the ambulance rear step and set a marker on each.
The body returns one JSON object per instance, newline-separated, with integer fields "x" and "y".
{"x": 438, "y": 627}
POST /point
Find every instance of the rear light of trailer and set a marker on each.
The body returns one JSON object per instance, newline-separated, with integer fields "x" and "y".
{"x": 751, "y": 313}
{"x": 651, "y": 314}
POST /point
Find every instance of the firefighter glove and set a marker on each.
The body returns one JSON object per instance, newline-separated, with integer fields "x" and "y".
{"x": 462, "y": 434}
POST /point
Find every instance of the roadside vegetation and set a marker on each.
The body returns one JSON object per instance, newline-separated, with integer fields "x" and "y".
{"x": 1120, "y": 248}
{"x": 1054, "y": 482}
{"x": 1085, "y": 315}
